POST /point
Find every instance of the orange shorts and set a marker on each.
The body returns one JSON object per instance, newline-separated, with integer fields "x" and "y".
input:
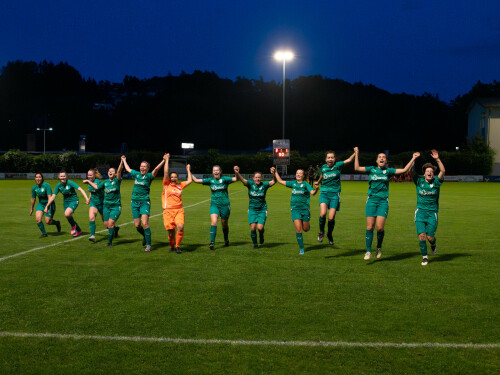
{"x": 172, "y": 217}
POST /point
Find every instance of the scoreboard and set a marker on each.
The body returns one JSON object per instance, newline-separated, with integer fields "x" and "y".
{"x": 281, "y": 152}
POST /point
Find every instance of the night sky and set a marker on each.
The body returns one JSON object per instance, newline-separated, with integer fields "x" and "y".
{"x": 412, "y": 46}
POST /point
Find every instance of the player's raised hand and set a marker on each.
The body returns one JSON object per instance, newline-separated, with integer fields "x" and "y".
{"x": 316, "y": 184}
{"x": 236, "y": 169}
{"x": 416, "y": 155}
{"x": 123, "y": 157}
{"x": 188, "y": 167}
{"x": 273, "y": 170}
{"x": 434, "y": 154}
{"x": 356, "y": 150}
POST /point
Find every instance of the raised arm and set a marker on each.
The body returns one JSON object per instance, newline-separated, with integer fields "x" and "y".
{"x": 189, "y": 175}
{"x": 82, "y": 192}
{"x": 357, "y": 168}
{"x": 350, "y": 159}
{"x": 119, "y": 172}
{"x": 166, "y": 158}
{"x": 193, "y": 177}
{"x": 440, "y": 164}
{"x": 273, "y": 181}
{"x": 277, "y": 177}
{"x": 239, "y": 176}
{"x": 127, "y": 168}
{"x": 157, "y": 168}
{"x": 409, "y": 165}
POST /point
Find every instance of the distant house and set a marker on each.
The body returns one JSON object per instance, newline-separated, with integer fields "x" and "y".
{"x": 484, "y": 120}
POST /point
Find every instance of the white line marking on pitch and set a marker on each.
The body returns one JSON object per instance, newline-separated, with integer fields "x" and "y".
{"x": 254, "y": 342}
{"x": 101, "y": 231}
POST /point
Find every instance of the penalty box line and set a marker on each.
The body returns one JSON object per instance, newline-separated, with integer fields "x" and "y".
{"x": 101, "y": 231}
{"x": 330, "y": 344}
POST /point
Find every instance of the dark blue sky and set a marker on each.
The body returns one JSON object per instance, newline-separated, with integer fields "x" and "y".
{"x": 410, "y": 46}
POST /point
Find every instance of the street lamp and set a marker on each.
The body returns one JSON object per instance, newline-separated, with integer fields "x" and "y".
{"x": 283, "y": 56}
{"x": 44, "y": 130}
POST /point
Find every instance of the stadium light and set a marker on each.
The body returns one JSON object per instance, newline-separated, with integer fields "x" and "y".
{"x": 187, "y": 146}
{"x": 283, "y": 56}
{"x": 44, "y": 130}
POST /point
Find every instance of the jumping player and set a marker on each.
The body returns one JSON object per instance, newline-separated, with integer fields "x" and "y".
{"x": 43, "y": 191}
{"x": 329, "y": 198}
{"x": 301, "y": 196}
{"x": 377, "y": 204}
{"x": 257, "y": 206}
{"x": 426, "y": 215}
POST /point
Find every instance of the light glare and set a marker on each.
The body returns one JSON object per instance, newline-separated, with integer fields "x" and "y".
{"x": 283, "y": 55}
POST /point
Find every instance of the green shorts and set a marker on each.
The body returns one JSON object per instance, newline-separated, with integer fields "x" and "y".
{"x": 426, "y": 222}
{"x": 52, "y": 209}
{"x": 331, "y": 199}
{"x": 111, "y": 212}
{"x": 303, "y": 214}
{"x": 73, "y": 205}
{"x": 377, "y": 207}
{"x": 222, "y": 211}
{"x": 257, "y": 216}
{"x": 140, "y": 208}
{"x": 99, "y": 207}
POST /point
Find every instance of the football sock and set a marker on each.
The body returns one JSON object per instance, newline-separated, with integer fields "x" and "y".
{"x": 300, "y": 240}
{"x": 253, "y": 236}
{"x": 54, "y": 222}
{"x": 369, "y": 240}
{"x": 71, "y": 221}
{"x": 331, "y": 225}
{"x": 92, "y": 228}
{"x": 433, "y": 243}
{"x": 147, "y": 235}
{"x": 140, "y": 229}
{"x": 213, "y": 233}
{"x": 171, "y": 239}
{"x": 226, "y": 233}
{"x": 322, "y": 222}
{"x": 179, "y": 239}
{"x": 423, "y": 247}
{"x": 380, "y": 238}
{"x": 111, "y": 234}
{"x": 41, "y": 227}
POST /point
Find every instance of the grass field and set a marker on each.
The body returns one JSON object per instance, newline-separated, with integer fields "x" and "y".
{"x": 328, "y": 311}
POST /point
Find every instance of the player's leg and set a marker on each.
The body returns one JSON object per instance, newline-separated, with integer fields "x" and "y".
{"x": 92, "y": 216}
{"x": 39, "y": 223}
{"x": 422, "y": 243}
{"x": 75, "y": 228}
{"x": 147, "y": 230}
{"x": 380, "y": 225}
{"x": 298, "y": 234}
{"x": 49, "y": 217}
{"x": 431, "y": 231}
{"x": 214, "y": 219}
{"x": 111, "y": 231}
{"x": 370, "y": 224}
{"x": 260, "y": 228}
{"x": 179, "y": 223}
{"x": 253, "y": 231}
{"x": 136, "y": 215}
{"x": 331, "y": 223}
{"x": 323, "y": 208}
{"x": 225, "y": 212}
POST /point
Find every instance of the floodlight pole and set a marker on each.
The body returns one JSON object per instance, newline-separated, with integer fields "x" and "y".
{"x": 283, "y": 134}
{"x": 44, "y": 130}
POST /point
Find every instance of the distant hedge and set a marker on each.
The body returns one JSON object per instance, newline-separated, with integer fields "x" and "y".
{"x": 477, "y": 159}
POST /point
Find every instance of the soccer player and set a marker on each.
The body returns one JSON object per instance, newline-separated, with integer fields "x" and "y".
{"x": 377, "y": 204}
{"x": 426, "y": 215}
{"x": 171, "y": 199}
{"x": 96, "y": 199}
{"x": 141, "y": 204}
{"x": 301, "y": 196}
{"x": 112, "y": 205}
{"x": 219, "y": 203}
{"x": 329, "y": 198}
{"x": 68, "y": 189}
{"x": 43, "y": 191}
{"x": 257, "y": 206}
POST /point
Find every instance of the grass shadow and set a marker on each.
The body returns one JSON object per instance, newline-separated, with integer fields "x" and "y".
{"x": 448, "y": 257}
{"x": 349, "y": 253}
{"x": 57, "y": 234}
{"x": 396, "y": 257}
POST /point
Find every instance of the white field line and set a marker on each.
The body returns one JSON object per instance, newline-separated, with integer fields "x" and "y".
{"x": 101, "y": 231}
{"x": 253, "y": 342}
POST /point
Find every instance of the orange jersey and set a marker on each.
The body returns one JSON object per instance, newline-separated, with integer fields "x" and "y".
{"x": 172, "y": 194}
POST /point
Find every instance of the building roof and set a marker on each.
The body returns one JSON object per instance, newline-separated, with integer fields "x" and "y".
{"x": 485, "y": 102}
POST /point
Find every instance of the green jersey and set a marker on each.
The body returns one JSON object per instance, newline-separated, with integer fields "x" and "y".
{"x": 257, "y": 195}
{"x": 379, "y": 181}
{"x": 68, "y": 191}
{"x": 142, "y": 185}
{"x": 219, "y": 189}
{"x": 300, "y": 194}
{"x": 97, "y": 196}
{"x": 42, "y": 192}
{"x": 428, "y": 193}
{"x": 331, "y": 177}
{"x": 112, "y": 191}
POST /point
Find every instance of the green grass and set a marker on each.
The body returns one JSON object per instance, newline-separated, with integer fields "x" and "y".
{"x": 237, "y": 293}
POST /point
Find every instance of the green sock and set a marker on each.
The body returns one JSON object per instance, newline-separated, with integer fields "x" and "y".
{"x": 147, "y": 235}
{"x": 71, "y": 221}
{"x": 331, "y": 225}
{"x": 41, "y": 227}
{"x": 322, "y": 222}
{"x": 300, "y": 240}
{"x": 213, "y": 233}
{"x": 226, "y": 233}
{"x": 369, "y": 240}
{"x": 253, "y": 236}
{"x": 433, "y": 243}
{"x": 423, "y": 247}
{"x": 380, "y": 238}
{"x": 54, "y": 222}
{"x": 140, "y": 229}
{"x": 111, "y": 234}
{"x": 92, "y": 228}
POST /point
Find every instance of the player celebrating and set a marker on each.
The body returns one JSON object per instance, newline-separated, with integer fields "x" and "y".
{"x": 141, "y": 204}
{"x": 257, "y": 206}
{"x": 329, "y": 198}
{"x": 426, "y": 215}
{"x": 301, "y": 196}
{"x": 43, "y": 191}
{"x": 173, "y": 213}
{"x": 68, "y": 189}
{"x": 112, "y": 205}
{"x": 377, "y": 205}
{"x": 219, "y": 203}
